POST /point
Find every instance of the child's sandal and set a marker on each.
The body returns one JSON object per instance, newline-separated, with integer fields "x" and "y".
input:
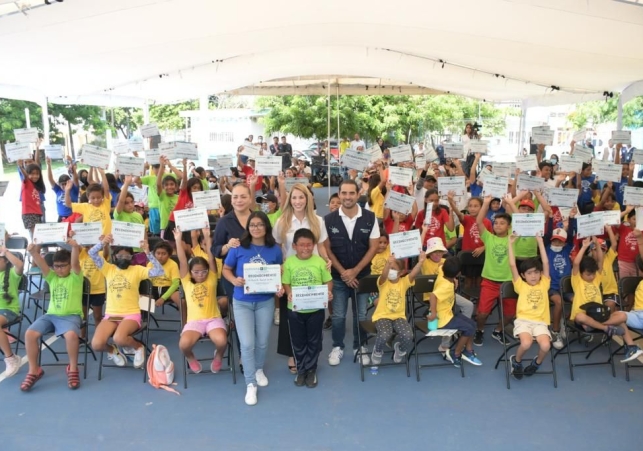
{"x": 73, "y": 379}
{"x": 30, "y": 380}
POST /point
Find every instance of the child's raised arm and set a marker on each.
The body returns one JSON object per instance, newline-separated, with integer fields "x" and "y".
{"x": 180, "y": 252}
{"x": 157, "y": 269}
{"x": 579, "y": 256}
{"x": 614, "y": 241}
{"x": 68, "y": 195}
{"x": 38, "y": 260}
{"x": 515, "y": 274}
{"x": 123, "y": 196}
{"x": 390, "y": 261}
{"x": 18, "y": 264}
{"x": 93, "y": 253}
{"x": 75, "y": 252}
{"x": 50, "y": 174}
{"x": 417, "y": 268}
{"x": 482, "y": 214}
{"x": 454, "y": 207}
{"x": 105, "y": 183}
{"x": 159, "y": 176}
{"x": 543, "y": 255}
{"x": 600, "y": 256}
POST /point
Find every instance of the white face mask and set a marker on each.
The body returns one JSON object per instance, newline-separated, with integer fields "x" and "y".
{"x": 392, "y": 274}
{"x": 556, "y": 248}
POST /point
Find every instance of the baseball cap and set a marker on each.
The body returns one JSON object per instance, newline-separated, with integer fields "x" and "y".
{"x": 559, "y": 234}
{"x": 139, "y": 204}
{"x": 435, "y": 244}
{"x": 527, "y": 203}
{"x": 267, "y": 198}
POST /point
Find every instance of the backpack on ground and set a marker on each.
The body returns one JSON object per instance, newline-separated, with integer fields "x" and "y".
{"x": 160, "y": 369}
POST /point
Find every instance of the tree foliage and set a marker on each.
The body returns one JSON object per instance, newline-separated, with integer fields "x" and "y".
{"x": 590, "y": 114}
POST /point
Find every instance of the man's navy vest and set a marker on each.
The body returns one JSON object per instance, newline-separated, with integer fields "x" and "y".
{"x": 350, "y": 252}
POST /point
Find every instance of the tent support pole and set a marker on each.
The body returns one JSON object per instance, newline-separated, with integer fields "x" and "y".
{"x": 45, "y": 121}
{"x": 521, "y": 129}
{"x": 619, "y": 113}
{"x": 328, "y": 156}
{"x": 339, "y": 140}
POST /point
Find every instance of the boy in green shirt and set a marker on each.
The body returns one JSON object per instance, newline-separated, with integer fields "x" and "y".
{"x": 11, "y": 268}
{"x": 125, "y": 208}
{"x": 64, "y": 315}
{"x": 305, "y": 270}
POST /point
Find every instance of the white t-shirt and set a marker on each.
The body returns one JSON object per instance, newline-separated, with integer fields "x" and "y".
{"x": 349, "y": 223}
{"x": 356, "y": 144}
{"x": 295, "y": 225}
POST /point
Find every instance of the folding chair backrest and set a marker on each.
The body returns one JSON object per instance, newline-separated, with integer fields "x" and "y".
{"x": 152, "y": 242}
{"x": 566, "y": 287}
{"x": 627, "y": 286}
{"x": 87, "y": 289}
{"x": 175, "y": 258}
{"x": 467, "y": 259}
{"x": 424, "y": 284}
{"x": 145, "y": 289}
{"x": 368, "y": 284}
{"x": 19, "y": 243}
{"x": 507, "y": 291}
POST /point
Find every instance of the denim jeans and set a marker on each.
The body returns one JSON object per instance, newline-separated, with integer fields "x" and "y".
{"x": 253, "y": 321}
{"x": 341, "y": 294}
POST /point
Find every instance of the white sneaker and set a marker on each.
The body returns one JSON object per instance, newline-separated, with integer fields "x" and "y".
{"x": 366, "y": 360}
{"x": 262, "y": 380}
{"x": 251, "y": 395}
{"x": 398, "y": 355}
{"x": 13, "y": 365}
{"x": 376, "y": 358}
{"x": 556, "y": 340}
{"x": 139, "y": 357}
{"x": 276, "y": 317}
{"x": 115, "y": 356}
{"x": 335, "y": 356}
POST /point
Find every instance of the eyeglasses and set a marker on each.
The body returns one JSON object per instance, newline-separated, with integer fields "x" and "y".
{"x": 257, "y": 226}
{"x": 200, "y": 272}
{"x": 61, "y": 266}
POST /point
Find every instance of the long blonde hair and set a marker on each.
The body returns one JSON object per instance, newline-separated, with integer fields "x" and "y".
{"x": 289, "y": 212}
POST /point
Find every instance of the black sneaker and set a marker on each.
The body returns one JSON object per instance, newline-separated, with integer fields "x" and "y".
{"x": 500, "y": 337}
{"x": 531, "y": 368}
{"x": 311, "y": 379}
{"x": 300, "y": 380}
{"x": 516, "y": 368}
{"x": 478, "y": 338}
{"x": 328, "y": 324}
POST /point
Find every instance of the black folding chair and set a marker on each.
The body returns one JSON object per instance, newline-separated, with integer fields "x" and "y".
{"x": 467, "y": 260}
{"x": 22, "y": 288}
{"x": 627, "y": 286}
{"x": 507, "y": 292}
{"x": 41, "y": 297}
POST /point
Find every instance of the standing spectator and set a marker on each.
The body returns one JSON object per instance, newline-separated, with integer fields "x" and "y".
{"x": 285, "y": 151}
{"x": 345, "y": 144}
{"x": 357, "y": 143}
{"x": 274, "y": 147}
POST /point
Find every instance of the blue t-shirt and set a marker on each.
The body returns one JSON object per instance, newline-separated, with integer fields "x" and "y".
{"x": 560, "y": 265}
{"x": 491, "y": 215}
{"x": 476, "y": 190}
{"x": 619, "y": 189}
{"x": 264, "y": 255}
{"x": 63, "y": 210}
{"x": 586, "y": 190}
{"x": 115, "y": 194}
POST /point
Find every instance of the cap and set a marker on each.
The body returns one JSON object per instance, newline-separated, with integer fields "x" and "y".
{"x": 267, "y": 198}
{"x": 435, "y": 244}
{"x": 559, "y": 234}
{"x": 139, "y": 204}
{"x": 527, "y": 203}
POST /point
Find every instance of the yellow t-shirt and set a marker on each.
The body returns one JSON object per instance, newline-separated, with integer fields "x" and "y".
{"x": 89, "y": 269}
{"x": 638, "y": 297}
{"x": 122, "y": 289}
{"x": 96, "y": 214}
{"x": 444, "y": 291}
{"x": 533, "y": 300}
{"x": 585, "y": 292}
{"x": 609, "y": 278}
{"x": 378, "y": 202}
{"x": 201, "y": 298}
{"x": 171, "y": 272}
{"x": 199, "y": 252}
{"x": 392, "y": 304}
{"x": 431, "y": 268}
{"x": 379, "y": 261}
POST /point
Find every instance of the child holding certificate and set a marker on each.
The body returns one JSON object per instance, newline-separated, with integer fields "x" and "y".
{"x": 98, "y": 206}
{"x": 304, "y": 269}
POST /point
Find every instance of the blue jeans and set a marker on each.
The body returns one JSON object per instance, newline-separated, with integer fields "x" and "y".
{"x": 155, "y": 221}
{"x": 341, "y": 294}
{"x": 253, "y": 322}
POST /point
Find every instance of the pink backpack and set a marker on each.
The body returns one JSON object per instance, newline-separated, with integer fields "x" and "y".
{"x": 160, "y": 369}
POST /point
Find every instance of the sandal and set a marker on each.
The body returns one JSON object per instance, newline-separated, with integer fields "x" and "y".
{"x": 73, "y": 380}
{"x": 30, "y": 380}
{"x": 293, "y": 369}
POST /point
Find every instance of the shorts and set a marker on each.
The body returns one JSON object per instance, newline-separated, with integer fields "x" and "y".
{"x": 158, "y": 292}
{"x": 10, "y": 315}
{"x": 62, "y": 218}
{"x": 30, "y": 220}
{"x": 635, "y": 319}
{"x": 155, "y": 221}
{"x": 204, "y": 326}
{"x": 59, "y": 325}
{"x": 95, "y": 300}
{"x": 613, "y": 297}
{"x": 627, "y": 269}
{"x": 569, "y": 297}
{"x": 134, "y": 317}
{"x": 489, "y": 294}
{"x": 533, "y": 328}
{"x": 459, "y": 322}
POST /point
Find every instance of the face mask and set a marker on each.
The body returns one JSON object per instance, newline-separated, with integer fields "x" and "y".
{"x": 554, "y": 161}
{"x": 265, "y": 208}
{"x": 392, "y": 274}
{"x": 122, "y": 263}
{"x": 213, "y": 185}
{"x": 556, "y": 248}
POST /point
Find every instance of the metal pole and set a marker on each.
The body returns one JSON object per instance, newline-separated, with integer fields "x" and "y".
{"x": 27, "y": 118}
{"x": 523, "y": 118}
{"x": 45, "y": 122}
{"x": 328, "y": 156}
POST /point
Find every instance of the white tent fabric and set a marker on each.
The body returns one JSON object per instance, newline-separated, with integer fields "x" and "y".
{"x": 122, "y": 52}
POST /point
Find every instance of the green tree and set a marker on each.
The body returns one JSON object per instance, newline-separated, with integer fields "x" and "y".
{"x": 598, "y": 112}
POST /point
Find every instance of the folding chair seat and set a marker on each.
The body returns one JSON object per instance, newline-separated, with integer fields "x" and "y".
{"x": 369, "y": 285}
{"x": 142, "y": 334}
{"x": 570, "y": 327}
{"x": 626, "y": 287}
{"x": 507, "y": 292}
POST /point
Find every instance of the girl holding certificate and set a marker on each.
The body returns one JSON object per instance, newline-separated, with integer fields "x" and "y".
{"x": 253, "y": 311}
{"x": 183, "y": 203}
{"x": 32, "y": 187}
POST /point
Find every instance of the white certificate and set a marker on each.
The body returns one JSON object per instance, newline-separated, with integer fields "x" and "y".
{"x": 18, "y": 151}
{"x": 309, "y": 297}
{"x": 120, "y": 147}
{"x": 613, "y": 217}
{"x": 639, "y": 218}
{"x": 402, "y": 203}
{"x": 456, "y": 184}
{"x": 128, "y": 234}
{"x": 495, "y": 186}
{"x": 130, "y": 165}
{"x": 153, "y": 156}
{"x": 290, "y": 182}
{"x": 633, "y": 196}
{"x": 420, "y": 162}
{"x": 530, "y": 183}
{"x": 430, "y": 155}
{"x": 562, "y": 197}
{"x": 480, "y": 147}
{"x": 570, "y": 163}
{"x": 97, "y": 157}
{"x": 140, "y": 194}
{"x": 503, "y": 169}
{"x": 88, "y": 233}
{"x": 590, "y": 225}
{"x": 618, "y": 137}
{"x": 261, "y": 278}
{"x": 545, "y": 137}
{"x": 454, "y": 150}
{"x": 526, "y": 164}
{"x": 210, "y": 200}
{"x": 565, "y": 212}
{"x": 400, "y": 154}
{"x": 353, "y": 159}
{"x": 405, "y": 244}
{"x": 375, "y": 151}
{"x": 191, "y": 219}
{"x": 249, "y": 150}
{"x": 607, "y": 172}
{"x": 26, "y": 135}
{"x": 168, "y": 150}
{"x": 54, "y": 151}
{"x": 3, "y": 187}
{"x": 579, "y": 136}
{"x": 50, "y": 232}
{"x": 637, "y": 156}
{"x": 186, "y": 150}
{"x": 268, "y": 165}
{"x": 400, "y": 176}
{"x": 528, "y": 224}
{"x": 3, "y": 232}
{"x": 149, "y": 130}
{"x": 584, "y": 153}
{"x": 135, "y": 145}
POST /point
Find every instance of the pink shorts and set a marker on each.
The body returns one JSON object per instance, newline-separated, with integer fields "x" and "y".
{"x": 135, "y": 317}
{"x": 204, "y": 326}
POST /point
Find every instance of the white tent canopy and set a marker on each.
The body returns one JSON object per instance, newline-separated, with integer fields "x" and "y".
{"x": 132, "y": 52}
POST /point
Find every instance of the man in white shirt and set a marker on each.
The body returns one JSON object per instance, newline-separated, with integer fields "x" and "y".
{"x": 357, "y": 143}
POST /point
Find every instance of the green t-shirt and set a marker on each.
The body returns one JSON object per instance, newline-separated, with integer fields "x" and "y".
{"x": 205, "y": 184}
{"x": 302, "y": 273}
{"x": 152, "y": 195}
{"x": 274, "y": 216}
{"x": 14, "y": 281}
{"x": 166, "y": 205}
{"x": 496, "y": 257}
{"x": 66, "y": 294}
{"x": 526, "y": 247}
{"x": 132, "y": 217}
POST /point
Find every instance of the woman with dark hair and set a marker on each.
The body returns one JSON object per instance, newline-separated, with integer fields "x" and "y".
{"x": 253, "y": 311}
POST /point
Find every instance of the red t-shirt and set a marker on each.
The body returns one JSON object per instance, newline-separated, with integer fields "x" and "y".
{"x": 405, "y": 225}
{"x": 628, "y": 247}
{"x": 249, "y": 171}
{"x": 471, "y": 237}
{"x": 436, "y": 227}
{"x": 183, "y": 203}
{"x": 30, "y": 198}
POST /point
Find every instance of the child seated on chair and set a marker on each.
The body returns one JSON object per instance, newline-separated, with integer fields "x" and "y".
{"x": 199, "y": 281}
{"x": 96, "y": 279}
{"x": 64, "y": 315}
{"x": 531, "y": 282}
{"x": 11, "y": 268}
{"x": 166, "y": 287}
{"x": 122, "y": 312}
{"x": 379, "y": 261}
{"x": 390, "y": 313}
{"x": 441, "y": 300}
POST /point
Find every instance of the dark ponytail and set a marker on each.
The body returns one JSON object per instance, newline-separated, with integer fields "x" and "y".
{"x": 5, "y": 282}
